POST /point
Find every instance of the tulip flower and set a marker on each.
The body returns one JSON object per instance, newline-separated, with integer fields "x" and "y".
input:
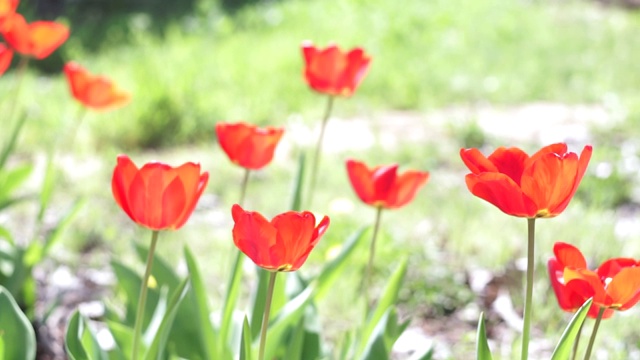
{"x": 38, "y": 39}
{"x": 615, "y": 285}
{"x": 158, "y": 196}
{"x": 332, "y": 71}
{"x": 537, "y": 186}
{"x": 7, "y": 9}
{"x": 248, "y": 145}
{"x": 6, "y": 54}
{"x": 93, "y": 91}
{"x": 282, "y": 244}
{"x": 335, "y": 73}
{"x": 382, "y": 186}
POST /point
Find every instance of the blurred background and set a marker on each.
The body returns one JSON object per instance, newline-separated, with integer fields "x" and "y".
{"x": 445, "y": 75}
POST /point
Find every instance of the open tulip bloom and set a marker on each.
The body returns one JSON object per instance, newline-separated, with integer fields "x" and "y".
{"x": 537, "y": 186}
{"x": 282, "y": 244}
{"x": 159, "y": 197}
{"x": 94, "y": 91}
{"x": 615, "y": 285}
{"x": 37, "y": 39}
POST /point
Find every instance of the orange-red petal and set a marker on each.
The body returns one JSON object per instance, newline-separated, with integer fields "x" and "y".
{"x": 501, "y": 191}
{"x": 6, "y": 55}
{"x": 248, "y": 145}
{"x": 38, "y": 39}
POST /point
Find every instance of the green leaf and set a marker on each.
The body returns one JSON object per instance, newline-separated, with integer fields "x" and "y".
{"x": 230, "y": 301}
{"x": 48, "y": 183}
{"x": 427, "y": 354}
{"x": 123, "y": 337}
{"x": 345, "y": 346}
{"x": 384, "y": 335}
{"x": 10, "y": 180}
{"x": 129, "y": 282}
{"x": 296, "y": 343}
{"x": 207, "y": 333}
{"x": 565, "y": 345}
{"x": 10, "y": 145}
{"x": 387, "y": 300}
{"x": 482, "y": 347}
{"x": 61, "y": 226}
{"x": 260, "y": 295}
{"x": 80, "y": 342}
{"x": 158, "y": 346}
{"x": 15, "y": 329}
{"x": 6, "y": 234}
{"x": 296, "y": 194}
{"x": 336, "y": 267}
{"x": 245, "y": 344}
{"x": 162, "y": 272}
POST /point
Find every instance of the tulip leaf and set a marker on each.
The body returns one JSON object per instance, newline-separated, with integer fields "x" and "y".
{"x": 245, "y": 343}
{"x": 61, "y": 226}
{"x": 334, "y": 268}
{"x": 19, "y": 339}
{"x": 230, "y": 301}
{"x": 10, "y": 180}
{"x": 201, "y": 307}
{"x": 48, "y": 183}
{"x": 129, "y": 282}
{"x": 80, "y": 342}
{"x": 482, "y": 347}
{"x": 123, "y": 337}
{"x": 296, "y": 194}
{"x": 162, "y": 272}
{"x": 384, "y": 335}
{"x": 260, "y": 295}
{"x": 565, "y": 345}
{"x": 158, "y": 345}
{"x": 10, "y": 145}
{"x": 345, "y": 346}
{"x": 387, "y": 300}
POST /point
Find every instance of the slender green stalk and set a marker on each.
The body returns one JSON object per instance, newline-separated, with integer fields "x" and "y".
{"x": 267, "y": 310}
{"x": 372, "y": 251}
{"x": 142, "y": 300}
{"x": 318, "y": 152}
{"x": 592, "y": 339}
{"x": 243, "y": 186}
{"x": 82, "y": 112}
{"x": 526, "y": 325}
{"x": 576, "y": 343}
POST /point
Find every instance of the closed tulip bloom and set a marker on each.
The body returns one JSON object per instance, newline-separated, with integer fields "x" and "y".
{"x": 37, "y": 39}
{"x": 332, "y": 71}
{"x": 382, "y": 186}
{"x": 282, "y": 244}
{"x": 6, "y": 54}
{"x": 94, "y": 91}
{"x": 158, "y": 196}
{"x": 248, "y": 145}
{"x": 537, "y": 186}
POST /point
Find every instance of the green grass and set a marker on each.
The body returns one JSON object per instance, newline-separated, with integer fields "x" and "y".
{"x": 427, "y": 55}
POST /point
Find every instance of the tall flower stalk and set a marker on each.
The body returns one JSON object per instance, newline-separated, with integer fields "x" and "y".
{"x": 526, "y": 326}
{"x": 142, "y": 299}
{"x": 594, "y": 332}
{"x": 318, "y": 151}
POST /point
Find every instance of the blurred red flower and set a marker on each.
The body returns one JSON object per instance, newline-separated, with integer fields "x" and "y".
{"x": 248, "y": 145}
{"x": 332, "y": 71}
{"x": 38, "y": 39}
{"x": 615, "y": 285}
{"x": 382, "y": 186}
{"x": 537, "y": 186}
{"x": 6, "y": 54}
{"x": 282, "y": 244}
{"x": 94, "y": 91}
{"x": 7, "y": 8}
{"x": 158, "y": 196}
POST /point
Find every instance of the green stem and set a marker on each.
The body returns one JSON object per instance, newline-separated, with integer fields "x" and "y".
{"x": 243, "y": 186}
{"x": 318, "y": 152}
{"x": 372, "y": 251}
{"x": 142, "y": 300}
{"x": 526, "y": 325}
{"x": 82, "y": 112}
{"x": 267, "y": 310}
{"x": 576, "y": 343}
{"x": 592, "y": 339}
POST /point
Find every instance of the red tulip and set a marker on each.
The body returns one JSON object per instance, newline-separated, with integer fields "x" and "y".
{"x": 7, "y": 9}
{"x": 38, "y": 39}
{"x": 282, "y": 244}
{"x": 158, "y": 196}
{"x": 539, "y": 186}
{"x": 381, "y": 186}
{"x": 6, "y": 54}
{"x": 615, "y": 285}
{"x": 248, "y": 145}
{"x": 95, "y": 92}
{"x": 331, "y": 71}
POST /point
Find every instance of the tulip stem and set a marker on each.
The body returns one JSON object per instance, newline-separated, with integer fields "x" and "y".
{"x": 318, "y": 152}
{"x": 243, "y": 186}
{"x": 526, "y": 325}
{"x": 142, "y": 300}
{"x": 576, "y": 343}
{"x": 267, "y": 310}
{"x": 82, "y": 112}
{"x": 372, "y": 251}
{"x": 592, "y": 339}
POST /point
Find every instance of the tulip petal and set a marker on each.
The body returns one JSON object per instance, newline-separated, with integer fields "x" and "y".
{"x": 586, "y": 283}
{"x": 295, "y": 232}
{"x": 583, "y": 162}
{"x": 46, "y": 37}
{"x": 509, "y": 161}
{"x": 254, "y": 236}
{"x": 501, "y": 191}
{"x": 569, "y": 256}
{"x": 123, "y": 176}
{"x": 476, "y": 161}
{"x": 6, "y": 55}
{"x": 406, "y": 187}
{"x": 361, "y": 181}
{"x": 612, "y": 267}
{"x": 624, "y": 287}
